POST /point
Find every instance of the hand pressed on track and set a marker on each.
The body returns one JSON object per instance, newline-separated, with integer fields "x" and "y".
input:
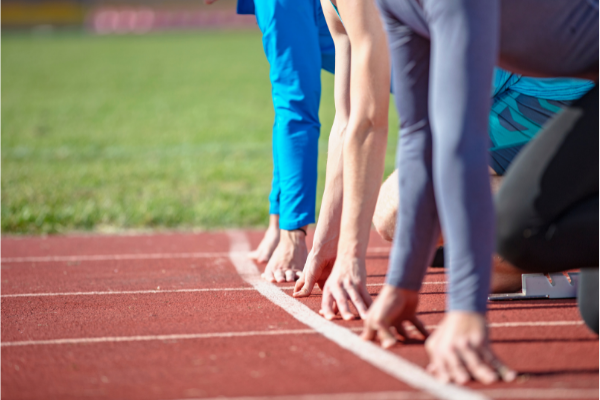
{"x": 346, "y": 284}
{"x": 288, "y": 259}
{"x": 459, "y": 349}
{"x": 386, "y": 316}
{"x": 317, "y": 269}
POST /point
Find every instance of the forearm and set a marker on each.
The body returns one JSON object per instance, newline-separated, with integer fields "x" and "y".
{"x": 364, "y": 155}
{"x": 330, "y": 215}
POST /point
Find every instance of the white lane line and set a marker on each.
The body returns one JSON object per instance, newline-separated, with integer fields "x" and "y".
{"x": 521, "y": 393}
{"x": 388, "y": 362}
{"x": 138, "y": 338}
{"x": 113, "y": 257}
{"x": 109, "y": 292}
{"x": 532, "y": 323}
{"x": 126, "y": 292}
{"x": 404, "y": 395}
{"x": 375, "y": 284}
{"x": 114, "y": 339}
{"x": 141, "y": 256}
{"x": 542, "y": 393}
{"x": 500, "y": 325}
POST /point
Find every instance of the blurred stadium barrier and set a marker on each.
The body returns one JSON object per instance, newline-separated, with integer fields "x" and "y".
{"x": 123, "y": 17}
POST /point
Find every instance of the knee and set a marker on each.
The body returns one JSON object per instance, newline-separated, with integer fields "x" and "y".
{"x": 384, "y": 225}
{"x": 386, "y": 209}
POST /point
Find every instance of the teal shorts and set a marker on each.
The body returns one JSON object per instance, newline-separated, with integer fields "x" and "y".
{"x": 514, "y": 120}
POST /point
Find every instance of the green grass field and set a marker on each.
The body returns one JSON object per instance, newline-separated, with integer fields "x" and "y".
{"x": 140, "y": 132}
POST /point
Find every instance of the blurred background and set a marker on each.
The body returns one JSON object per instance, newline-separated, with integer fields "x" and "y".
{"x": 138, "y": 115}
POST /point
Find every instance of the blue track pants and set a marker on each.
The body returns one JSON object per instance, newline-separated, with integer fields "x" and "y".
{"x": 297, "y": 44}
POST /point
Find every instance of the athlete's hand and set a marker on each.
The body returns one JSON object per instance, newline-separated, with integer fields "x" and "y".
{"x": 288, "y": 259}
{"x": 459, "y": 349}
{"x": 392, "y": 307}
{"x": 318, "y": 267}
{"x": 346, "y": 284}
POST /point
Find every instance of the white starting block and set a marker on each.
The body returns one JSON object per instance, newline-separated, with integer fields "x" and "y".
{"x": 538, "y": 286}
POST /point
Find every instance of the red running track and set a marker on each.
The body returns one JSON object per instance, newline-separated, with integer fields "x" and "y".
{"x": 169, "y": 317}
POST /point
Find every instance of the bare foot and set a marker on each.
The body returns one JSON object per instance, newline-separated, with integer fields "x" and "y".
{"x": 288, "y": 259}
{"x": 506, "y": 278}
{"x": 267, "y": 246}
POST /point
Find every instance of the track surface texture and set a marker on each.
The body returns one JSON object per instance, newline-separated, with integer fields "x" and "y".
{"x": 186, "y": 316}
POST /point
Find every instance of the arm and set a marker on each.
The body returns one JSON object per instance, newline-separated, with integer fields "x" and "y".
{"x": 463, "y": 48}
{"x": 321, "y": 258}
{"x": 364, "y": 153}
{"x": 364, "y": 147}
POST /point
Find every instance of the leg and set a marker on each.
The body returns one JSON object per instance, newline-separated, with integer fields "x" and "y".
{"x": 291, "y": 43}
{"x": 547, "y": 208}
{"x": 271, "y": 239}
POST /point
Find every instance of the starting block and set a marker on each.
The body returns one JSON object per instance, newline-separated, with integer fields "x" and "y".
{"x": 538, "y": 286}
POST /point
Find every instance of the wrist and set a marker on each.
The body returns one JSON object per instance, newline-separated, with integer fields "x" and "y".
{"x": 294, "y": 235}
{"x": 350, "y": 248}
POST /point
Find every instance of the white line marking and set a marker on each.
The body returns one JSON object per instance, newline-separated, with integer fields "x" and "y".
{"x": 542, "y": 393}
{"x": 113, "y": 339}
{"x": 490, "y": 325}
{"x": 113, "y": 257}
{"x": 108, "y": 292}
{"x": 521, "y": 393}
{"x": 126, "y": 292}
{"x": 387, "y": 362}
{"x": 500, "y": 325}
{"x": 404, "y": 395}
{"x": 239, "y": 334}
{"x": 532, "y": 323}
{"x": 141, "y": 256}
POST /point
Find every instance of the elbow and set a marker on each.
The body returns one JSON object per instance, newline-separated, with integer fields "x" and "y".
{"x": 366, "y": 129}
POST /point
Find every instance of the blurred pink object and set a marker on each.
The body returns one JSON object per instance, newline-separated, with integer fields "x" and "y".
{"x": 115, "y": 20}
